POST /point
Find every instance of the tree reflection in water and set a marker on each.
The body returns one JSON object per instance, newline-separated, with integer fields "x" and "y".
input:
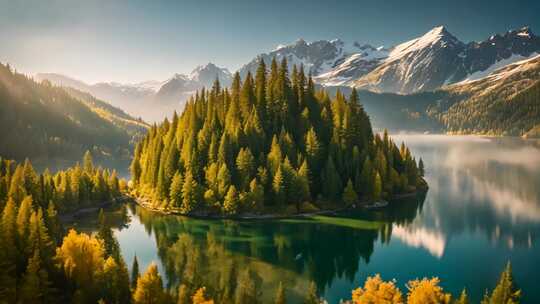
{"x": 222, "y": 254}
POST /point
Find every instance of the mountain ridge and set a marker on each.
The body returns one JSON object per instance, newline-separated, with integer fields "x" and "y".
{"x": 426, "y": 63}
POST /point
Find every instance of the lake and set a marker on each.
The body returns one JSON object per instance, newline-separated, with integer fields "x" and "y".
{"x": 482, "y": 210}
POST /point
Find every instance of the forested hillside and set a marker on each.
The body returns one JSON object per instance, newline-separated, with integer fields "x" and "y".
{"x": 505, "y": 102}
{"x": 44, "y": 122}
{"x": 269, "y": 141}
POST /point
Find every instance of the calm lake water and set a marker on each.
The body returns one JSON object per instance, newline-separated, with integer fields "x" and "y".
{"x": 482, "y": 210}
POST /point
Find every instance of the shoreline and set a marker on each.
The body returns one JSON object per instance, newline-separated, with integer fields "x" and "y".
{"x": 73, "y": 215}
{"x": 272, "y": 216}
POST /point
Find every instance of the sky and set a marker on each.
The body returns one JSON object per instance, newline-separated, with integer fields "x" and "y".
{"x": 132, "y": 41}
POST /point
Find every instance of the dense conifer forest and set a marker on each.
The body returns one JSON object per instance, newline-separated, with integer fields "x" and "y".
{"x": 45, "y": 122}
{"x": 269, "y": 142}
{"x": 495, "y": 114}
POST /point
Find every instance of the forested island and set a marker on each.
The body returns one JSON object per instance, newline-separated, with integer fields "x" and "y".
{"x": 269, "y": 144}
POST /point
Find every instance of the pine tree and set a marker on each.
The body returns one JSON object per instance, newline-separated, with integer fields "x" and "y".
{"x": 135, "y": 272}
{"x": 36, "y": 286}
{"x": 463, "y": 298}
{"x": 275, "y": 156}
{"x": 332, "y": 186}
{"x": 16, "y": 189}
{"x": 506, "y": 290}
{"x": 260, "y": 87}
{"x": 200, "y": 298}
{"x": 149, "y": 287}
{"x": 231, "y": 203}
{"x": 349, "y": 195}
{"x": 224, "y": 180}
{"x": 312, "y": 297}
{"x": 247, "y": 288}
{"x": 278, "y": 186}
{"x": 176, "y": 190}
{"x": 377, "y": 186}
{"x": 8, "y": 251}
{"x": 256, "y": 195}
{"x": 304, "y": 180}
{"x": 112, "y": 248}
{"x": 115, "y": 282}
{"x": 23, "y": 226}
{"x": 280, "y": 295}
{"x": 421, "y": 167}
{"x": 88, "y": 163}
{"x": 245, "y": 164}
{"x": 39, "y": 239}
{"x": 190, "y": 194}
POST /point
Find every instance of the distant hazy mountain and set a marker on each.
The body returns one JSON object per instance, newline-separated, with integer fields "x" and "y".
{"x": 423, "y": 64}
{"x": 150, "y": 100}
{"x": 45, "y": 122}
{"x": 504, "y": 102}
{"x": 180, "y": 87}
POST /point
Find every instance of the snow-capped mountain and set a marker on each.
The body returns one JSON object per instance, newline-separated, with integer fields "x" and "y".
{"x": 151, "y": 100}
{"x": 331, "y": 61}
{"x": 438, "y": 58}
{"x": 428, "y": 62}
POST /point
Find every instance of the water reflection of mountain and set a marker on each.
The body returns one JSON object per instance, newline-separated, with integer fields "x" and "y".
{"x": 213, "y": 253}
{"x": 481, "y": 185}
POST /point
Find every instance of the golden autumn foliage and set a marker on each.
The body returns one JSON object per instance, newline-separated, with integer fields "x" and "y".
{"x": 200, "y": 298}
{"x": 376, "y": 290}
{"x": 427, "y": 291}
{"x": 149, "y": 287}
{"x": 81, "y": 257}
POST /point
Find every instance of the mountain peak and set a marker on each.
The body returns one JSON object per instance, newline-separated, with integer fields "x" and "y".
{"x": 438, "y": 33}
{"x": 300, "y": 41}
{"x": 438, "y": 29}
{"x": 525, "y": 32}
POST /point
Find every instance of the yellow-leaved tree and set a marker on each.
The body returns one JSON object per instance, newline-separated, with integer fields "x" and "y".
{"x": 200, "y": 298}
{"x": 376, "y": 290}
{"x": 149, "y": 287}
{"x": 427, "y": 291}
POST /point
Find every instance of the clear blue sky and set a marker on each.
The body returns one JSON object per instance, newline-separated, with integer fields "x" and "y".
{"x": 130, "y": 41}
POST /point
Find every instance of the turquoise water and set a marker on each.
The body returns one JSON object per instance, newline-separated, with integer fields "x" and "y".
{"x": 482, "y": 210}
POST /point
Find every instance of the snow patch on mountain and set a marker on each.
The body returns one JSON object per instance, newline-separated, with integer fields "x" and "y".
{"x": 515, "y": 58}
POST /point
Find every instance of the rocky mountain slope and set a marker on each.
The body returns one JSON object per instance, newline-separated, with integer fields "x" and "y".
{"x": 504, "y": 102}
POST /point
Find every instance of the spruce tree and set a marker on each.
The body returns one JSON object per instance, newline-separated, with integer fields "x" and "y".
{"x": 135, "y": 274}
{"x": 280, "y": 295}
{"x": 349, "y": 195}
{"x": 463, "y": 298}
{"x": 312, "y": 297}
{"x": 190, "y": 194}
{"x": 36, "y": 286}
{"x": 231, "y": 203}
{"x": 332, "y": 186}
{"x": 506, "y": 290}
{"x": 176, "y": 190}
{"x": 377, "y": 186}
{"x": 149, "y": 287}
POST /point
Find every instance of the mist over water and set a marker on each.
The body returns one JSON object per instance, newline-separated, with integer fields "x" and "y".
{"x": 482, "y": 210}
